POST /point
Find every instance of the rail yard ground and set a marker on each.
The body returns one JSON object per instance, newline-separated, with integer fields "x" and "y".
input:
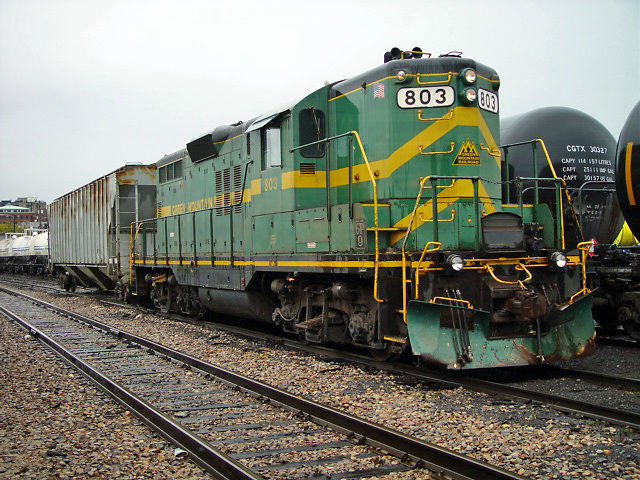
{"x": 55, "y": 425}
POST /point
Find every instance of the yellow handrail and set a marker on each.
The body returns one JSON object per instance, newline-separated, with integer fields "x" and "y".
{"x": 434, "y": 82}
{"x": 584, "y": 247}
{"x": 419, "y": 52}
{"x": 443, "y": 187}
{"x": 423, "y": 180}
{"x": 459, "y": 300}
{"x": 566, "y": 192}
{"x": 375, "y": 217}
{"x": 493, "y": 151}
{"x": 132, "y": 241}
{"x": 436, "y": 247}
{"x": 453, "y": 146}
{"x": 448, "y": 116}
{"x": 519, "y": 266}
{"x": 425, "y": 220}
{"x": 130, "y": 251}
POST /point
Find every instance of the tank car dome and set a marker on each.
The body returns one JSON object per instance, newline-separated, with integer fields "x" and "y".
{"x": 628, "y": 170}
{"x": 41, "y": 243}
{"x": 4, "y": 247}
{"x": 581, "y": 150}
{"x": 20, "y": 246}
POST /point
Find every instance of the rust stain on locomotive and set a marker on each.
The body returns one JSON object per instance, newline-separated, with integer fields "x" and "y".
{"x": 559, "y": 353}
{"x": 530, "y": 357}
{"x": 588, "y": 348}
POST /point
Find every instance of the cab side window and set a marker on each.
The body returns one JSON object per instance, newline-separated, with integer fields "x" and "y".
{"x": 272, "y": 151}
{"x": 311, "y": 129}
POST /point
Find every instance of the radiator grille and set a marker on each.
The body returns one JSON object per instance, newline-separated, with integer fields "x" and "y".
{"x": 307, "y": 169}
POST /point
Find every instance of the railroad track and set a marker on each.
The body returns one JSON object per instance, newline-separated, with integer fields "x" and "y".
{"x": 471, "y": 382}
{"x": 566, "y": 404}
{"x": 232, "y": 426}
{"x": 35, "y": 284}
{"x": 618, "y": 342}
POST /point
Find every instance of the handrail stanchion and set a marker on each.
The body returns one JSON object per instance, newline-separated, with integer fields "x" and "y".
{"x": 166, "y": 239}
{"x": 476, "y": 206}
{"x": 180, "y": 238}
{"x": 506, "y": 173}
{"x": 195, "y": 256}
{"x": 434, "y": 207}
{"x": 376, "y": 229}
{"x": 536, "y": 192}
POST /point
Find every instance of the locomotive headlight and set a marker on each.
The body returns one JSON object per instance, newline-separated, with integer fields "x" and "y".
{"x": 403, "y": 76}
{"x": 455, "y": 262}
{"x": 469, "y": 76}
{"x": 558, "y": 259}
{"x": 470, "y": 95}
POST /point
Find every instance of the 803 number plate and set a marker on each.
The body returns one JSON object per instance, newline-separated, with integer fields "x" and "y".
{"x": 487, "y": 100}
{"x": 426, "y": 97}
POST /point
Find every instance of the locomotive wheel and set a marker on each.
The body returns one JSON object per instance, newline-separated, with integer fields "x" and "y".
{"x": 383, "y": 355}
{"x": 302, "y": 338}
{"x": 630, "y": 320}
{"x": 380, "y": 355}
{"x": 606, "y": 318}
{"x": 633, "y": 330}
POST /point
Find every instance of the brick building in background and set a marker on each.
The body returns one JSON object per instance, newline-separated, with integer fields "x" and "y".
{"x": 24, "y": 211}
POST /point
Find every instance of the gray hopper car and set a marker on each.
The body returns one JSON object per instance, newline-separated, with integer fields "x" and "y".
{"x": 89, "y": 228}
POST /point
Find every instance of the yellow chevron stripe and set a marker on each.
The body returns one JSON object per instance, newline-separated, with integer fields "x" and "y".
{"x": 462, "y": 116}
{"x": 451, "y": 194}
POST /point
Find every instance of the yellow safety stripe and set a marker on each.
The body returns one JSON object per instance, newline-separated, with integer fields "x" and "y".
{"x": 472, "y": 263}
{"x": 463, "y": 116}
{"x": 174, "y": 161}
{"x": 448, "y": 74}
{"x": 627, "y": 166}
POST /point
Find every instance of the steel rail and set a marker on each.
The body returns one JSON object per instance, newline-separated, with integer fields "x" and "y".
{"x": 205, "y": 455}
{"x": 577, "y": 407}
{"x": 46, "y": 287}
{"x": 407, "y": 447}
{"x": 594, "y": 377}
{"x": 618, "y": 342}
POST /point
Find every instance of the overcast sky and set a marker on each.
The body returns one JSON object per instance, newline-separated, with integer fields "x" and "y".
{"x": 87, "y": 86}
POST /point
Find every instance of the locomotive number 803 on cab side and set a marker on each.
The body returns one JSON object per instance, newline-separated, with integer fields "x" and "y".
{"x": 370, "y": 213}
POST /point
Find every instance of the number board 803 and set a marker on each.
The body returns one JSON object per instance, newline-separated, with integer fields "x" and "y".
{"x": 426, "y": 97}
{"x": 488, "y": 100}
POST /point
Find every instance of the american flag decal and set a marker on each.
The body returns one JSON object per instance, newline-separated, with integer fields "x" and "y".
{"x": 378, "y": 90}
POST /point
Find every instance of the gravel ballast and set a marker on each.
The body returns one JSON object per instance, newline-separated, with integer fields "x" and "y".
{"x": 533, "y": 441}
{"x": 55, "y": 425}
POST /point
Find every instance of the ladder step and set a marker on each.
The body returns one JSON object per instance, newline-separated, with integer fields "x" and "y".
{"x": 396, "y": 339}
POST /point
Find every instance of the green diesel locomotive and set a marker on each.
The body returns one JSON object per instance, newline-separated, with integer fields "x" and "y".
{"x": 371, "y": 213}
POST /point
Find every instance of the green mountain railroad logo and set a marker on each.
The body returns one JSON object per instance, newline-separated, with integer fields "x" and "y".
{"x": 467, "y": 155}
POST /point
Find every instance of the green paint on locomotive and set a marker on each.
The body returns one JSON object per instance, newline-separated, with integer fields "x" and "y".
{"x": 291, "y": 193}
{"x": 561, "y": 340}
